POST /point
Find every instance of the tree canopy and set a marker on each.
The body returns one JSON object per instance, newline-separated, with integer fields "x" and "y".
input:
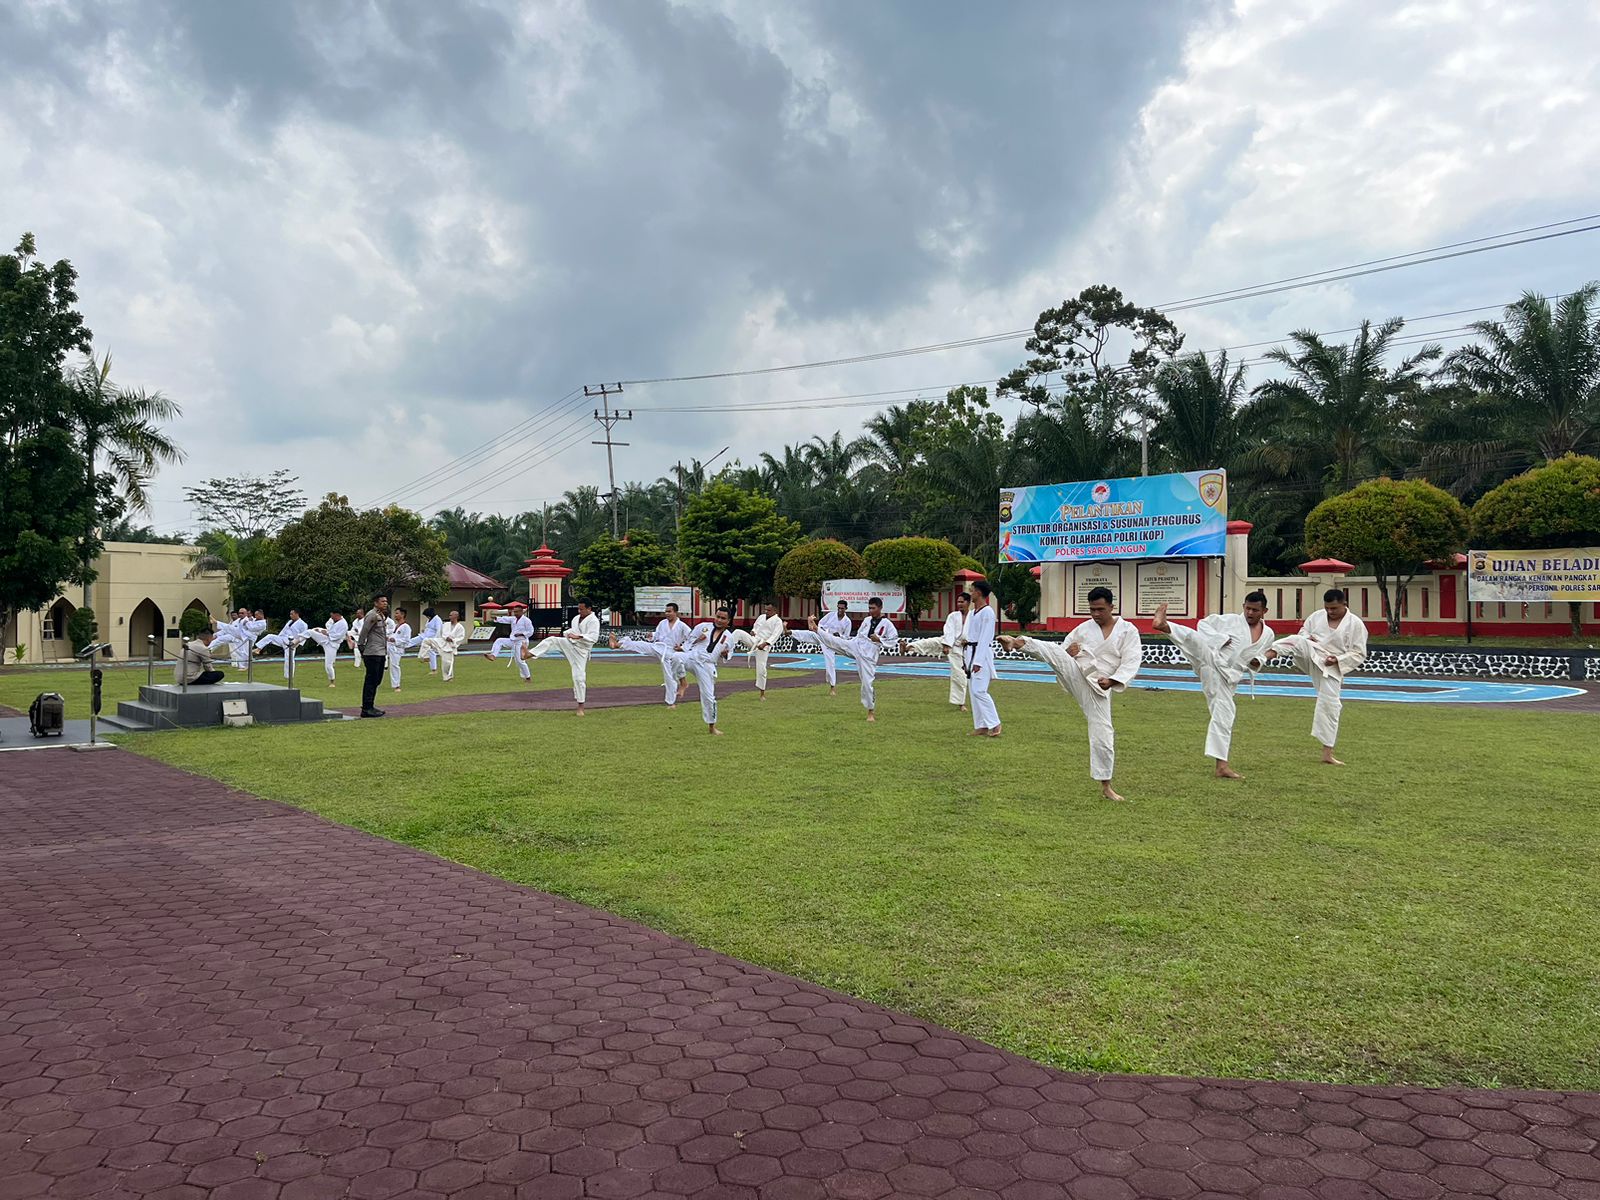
{"x": 731, "y": 541}
{"x": 613, "y": 567}
{"x": 804, "y": 570}
{"x": 921, "y": 565}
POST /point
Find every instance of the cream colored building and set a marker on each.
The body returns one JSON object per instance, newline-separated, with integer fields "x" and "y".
{"x": 140, "y": 589}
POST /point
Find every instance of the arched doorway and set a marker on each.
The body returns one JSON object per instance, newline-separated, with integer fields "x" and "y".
{"x": 196, "y": 606}
{"x": 145, "y": 621}
{"x": 57, "y": 644}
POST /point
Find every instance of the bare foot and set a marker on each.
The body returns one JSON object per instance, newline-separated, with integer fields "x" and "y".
{"x": 963, "y": 708}
{"x": 833, "y": 691}
{"x": 763, "y": 695}
{"x": 1159, "y": 622}
{"x": 490, "y": 657}
{"x": 613, "y": 642}
{"x": 872, "y": 717}
{"x": 1329, "y": 760}
{"x": 1224, "y": 771}
{"x": 1110, "y": 793}
{"x": 976, "y": 733}
{"x": 715, "y": 732}
{"x": 683, "y": 689}
{"x": 994, "y": 733}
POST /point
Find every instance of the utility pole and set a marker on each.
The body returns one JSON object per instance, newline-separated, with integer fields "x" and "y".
{"x": 607, "y": 417}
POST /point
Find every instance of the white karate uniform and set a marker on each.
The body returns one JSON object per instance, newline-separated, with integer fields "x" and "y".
{"x": 951, "y": 645}
{"x": 399, "y": 639}
{"x": 1221, "y": 649}
{"x": 706, "y": 647}
{"x": 861, "y": 648}
{"x": 669, "y": 636}
{"x": 1317, "y": 640}
{"x": 1116, "y": 657}
{"x": 354, "y": 632}
{"x": 422, "y": 641}
{"x": 443, "y": 646}
{"x": 246, "y": 631}
{"x": 575, "y": 650}
{"x": 289, "y": 637}
{"x": 330, "y": 638}
{"x": 521, "y": 635}
{"x": 978, "y": 658}
{"x": 767, "y": 630}
{"x": 838, "y": 626}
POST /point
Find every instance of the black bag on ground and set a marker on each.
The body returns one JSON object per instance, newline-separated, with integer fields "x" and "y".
{"x": 47, "y": 715}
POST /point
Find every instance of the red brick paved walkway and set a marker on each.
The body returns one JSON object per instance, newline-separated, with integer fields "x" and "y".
{"x": 208, "y": 995}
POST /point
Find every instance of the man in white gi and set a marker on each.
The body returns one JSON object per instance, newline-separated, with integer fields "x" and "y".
{"x": 399, "y": 639}
{"x": 575, "y": 645}
{"x": 1099, "y": 657}
{"x": 354, "y": 635}
{"x": 1331, "y": 643}
{"x": 1223, "y": 648}
{"x": 425, "y": 641}
{"x": 875, "y": 635}
{"x": 949, "y": 645}
{"x": 769, "y": 627}
{"x": 839, "y": 624}
{"x": 672, "y": 633}
{"x": 446, "y": 643}
{"x": 330, "y": 638}
{"x": 977, "y": 637}
{"x": 710, "y": 643}
{"x": 521, "y": 635}
{"x": 232, "y": 636}
{"x": 289, "y": 639}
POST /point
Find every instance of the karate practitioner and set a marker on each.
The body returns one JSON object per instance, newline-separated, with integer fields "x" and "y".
{"x": 769, "y": 627}
{"x": 355, "y": 632}
{"x": 671, "y": 634}
{"x": 1223, "y": 648}
{"x": 289, "y": 638}
{"x": 233, "y": 635}
{"x": 710, "y": 643}
{"x": 575, "y": 646}
{"x": 445, "y": 644}
{"x": 330, "y": 637}
{"x": 399, "y": 639}
{"x": 1099, "y": 657}
{"x": 837, "y": 623}
{"x": 949, "y": 645}
{"x": 1331, "y": 643}
{"x": 521, "y": 635}
{"x": 422, "y": 641}
{"x": 978, "y": 659}
{"x": 875, "y": 635}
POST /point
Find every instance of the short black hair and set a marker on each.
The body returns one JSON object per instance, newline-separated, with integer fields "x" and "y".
{"x": 723, "y": 608}
{"x": 428, "y": 612}
{"x": 876, "y": 601}
{"x": 1335, "y": 594}
{"x": 844, "y": 603}
{"x": 585, "y": 603}
{"x": 380, "y": 596}
{"x": 1257, "y": 597}
{"x": 982, "y": 585}
{"x": 672, "y": 607}
{"x": 1101, "y": 593}
{"x": 960, "y": 596}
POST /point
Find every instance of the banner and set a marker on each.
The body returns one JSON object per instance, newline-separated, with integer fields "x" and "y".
{"x": 656, "y": 599}
{"x": 1532, "y": 576}
{"x": 856, "y": 592}
{"x": 1150, "y": 516}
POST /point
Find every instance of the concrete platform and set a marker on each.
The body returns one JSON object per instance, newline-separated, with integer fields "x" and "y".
{"x": 14, "y": 735}
{"x": 166, "y": 706}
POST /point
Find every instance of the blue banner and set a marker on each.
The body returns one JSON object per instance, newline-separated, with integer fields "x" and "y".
{"x": 1152, "y": 516}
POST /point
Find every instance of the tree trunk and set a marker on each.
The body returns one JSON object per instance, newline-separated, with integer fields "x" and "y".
{"x": 1390, "y": 608}
{"x": 1574, "y": 612}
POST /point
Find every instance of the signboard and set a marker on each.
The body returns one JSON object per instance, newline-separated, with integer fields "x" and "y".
{"x": 1158, "y": 583}
{"x": 1530, "y": 576}
{"x": 1088, "y": 576}
{"x": 856, "y": 592}
{"x": 1151, "y": 516}
{"x": 656, "y": 599}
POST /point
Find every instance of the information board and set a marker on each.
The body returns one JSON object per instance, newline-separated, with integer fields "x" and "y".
{"x": 1532, "y": 576}
{"x": 1158, "y": 583}
{"x": 856, "y": 592}
{"x": 656, "y": 599}
{"x": 1088, "y": 576}
{"x": 1151, "y": 516}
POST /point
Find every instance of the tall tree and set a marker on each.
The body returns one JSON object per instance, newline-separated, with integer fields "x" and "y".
{"x": 1540, "y": 370}
{"x": 576, "y": 521}
{"x": 1552, "y": 507}
{"x": 336, "y": 556}
{"x": 731, "y": 541}
{"x": 1097, "y": 343}
{"x": 48, "y": 496}
{"x": 1199, "y": 421}
{"x": 247, "y": 506}
{"x": 613, "y": 567}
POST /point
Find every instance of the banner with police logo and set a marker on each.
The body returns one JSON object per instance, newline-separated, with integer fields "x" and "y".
{"x": 1150, "y": 516}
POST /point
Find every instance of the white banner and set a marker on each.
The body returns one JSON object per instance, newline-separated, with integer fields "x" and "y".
{"x": 656, "y": 599}
{"x": 856, "y": 592}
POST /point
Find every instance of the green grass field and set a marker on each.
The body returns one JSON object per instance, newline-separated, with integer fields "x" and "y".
{"x": 1425, "y": 915}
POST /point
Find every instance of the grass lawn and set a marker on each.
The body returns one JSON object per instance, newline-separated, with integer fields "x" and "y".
{"x": 19, "y": 685}
{"x": 1427, "y": 914}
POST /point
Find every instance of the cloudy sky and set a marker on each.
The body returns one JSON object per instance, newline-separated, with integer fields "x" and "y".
{"x": 358, "y": 240}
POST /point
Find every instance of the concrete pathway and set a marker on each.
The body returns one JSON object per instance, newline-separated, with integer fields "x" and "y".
{"x": 207, "y": 995}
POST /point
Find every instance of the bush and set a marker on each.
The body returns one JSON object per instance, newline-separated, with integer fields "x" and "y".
{"x": 921, "y": 565}
{"x": 81, "y": 629}
{"x": 1553, "y": 507}
{"x": 804, "y": 570}
{"x": 194, "y": 622}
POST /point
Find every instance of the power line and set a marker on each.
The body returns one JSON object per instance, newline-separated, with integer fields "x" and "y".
{"x": 1331, "y": 275}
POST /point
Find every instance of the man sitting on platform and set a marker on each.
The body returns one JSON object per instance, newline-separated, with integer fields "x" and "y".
{"x": 194, "y": 666}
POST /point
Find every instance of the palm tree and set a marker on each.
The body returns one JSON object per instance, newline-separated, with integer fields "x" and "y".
{"x": 1075, "y": 437}
{"x": 121, "y": 426}
{"x": 891, "y": 438}
{"x": 1199, "y": 413}
{"x": 577, "y": 520}
{"x": 1337, "y": 418}
{"x": 1540, "y": 371}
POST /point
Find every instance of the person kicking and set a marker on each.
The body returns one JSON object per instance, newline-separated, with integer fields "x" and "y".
{"x": 521, "y": 635}
{"x": 289, "y": 639}
{"x": 330, "y": 637}
{"x": 1331, "y": 643}
{"x": 950, "y": 646}
{"x": 575, "y": 645}
{"x": 710, "y": 643}
{"x": 839, "y": 624}
{"x": 876, "y": 635}
{"x": 1099, "y": 657}
{"x": 1223, "y": 648}
{"x": 447, "y": 643}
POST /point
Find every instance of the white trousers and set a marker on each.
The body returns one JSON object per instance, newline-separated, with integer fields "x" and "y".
{"x": 516, "y": 644}
{"x": 577, "y": 656}
{"x": 761, "y": 657}
{"x": 428, "y": 648}
{"x": 659, "y": 651}
{"x": 1218, "y": 690}
{"x": 329, "y": 648}
{"x": 704, "y": 671}
{"x": 276, "y": 639}
{"x": 441, "y": 650}
{"x": 984, "y": 713}
{"x": 866, "y": 660}
{"x": 1096, "y": 705}
{"x": 397, "y": 655}
{"x": 830, "y": 665}
{"x": 958, "y": 666}
{"x": 1328, "y": 681}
